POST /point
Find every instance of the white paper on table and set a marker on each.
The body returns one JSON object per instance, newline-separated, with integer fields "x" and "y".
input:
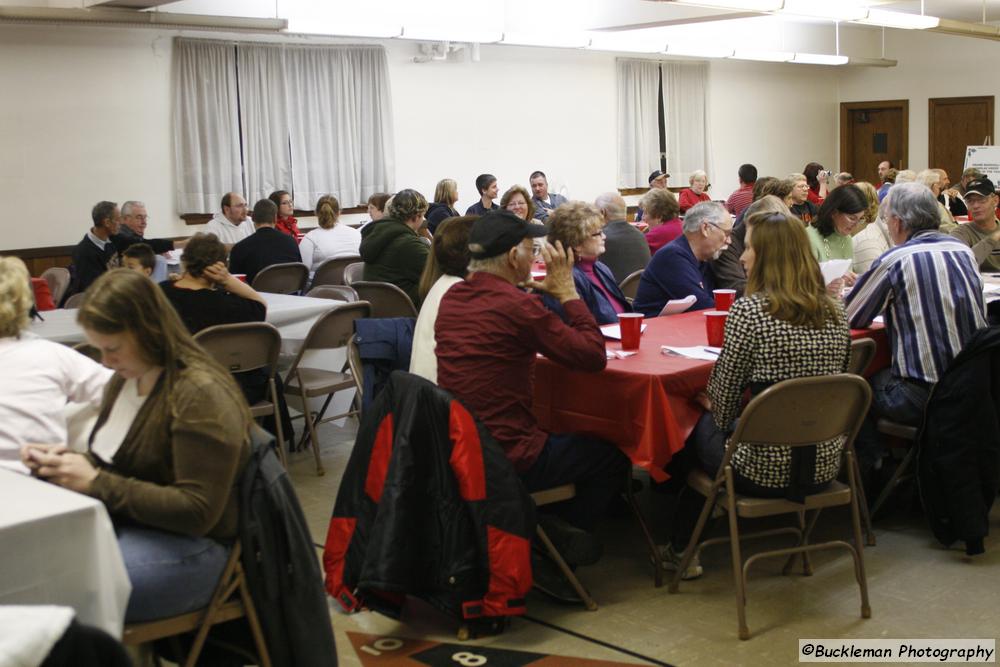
{"x": 991, "y": 288}
{"x": 833, "y": 269}
{"x": 702, "y": 352}
{"x": 675, "y": 306}
{"x": 614, "y": 331}
{"x": 878, "y": 319}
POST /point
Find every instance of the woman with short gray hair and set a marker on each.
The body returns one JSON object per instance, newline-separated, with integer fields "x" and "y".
{"x": 696, "y": 193}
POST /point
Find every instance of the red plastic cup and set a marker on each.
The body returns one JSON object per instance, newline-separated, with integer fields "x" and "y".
{"x": 242, "y": 277}
{"x": 715, "y": 326}
{"x": 724, "y": 298}
{"x": 631, "y": 328}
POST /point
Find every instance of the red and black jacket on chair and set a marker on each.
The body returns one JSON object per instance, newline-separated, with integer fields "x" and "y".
{"x": 429, "y": 506}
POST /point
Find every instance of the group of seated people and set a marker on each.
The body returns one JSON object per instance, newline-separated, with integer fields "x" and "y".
{"x": 164, "y": 404}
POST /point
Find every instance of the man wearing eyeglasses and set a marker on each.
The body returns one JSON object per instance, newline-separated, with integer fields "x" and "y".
{"x": 231, "y": 225}
{"x": 488, "y": 334}
{"x": 133, "y": 230}
{"x": 681, "y": 267}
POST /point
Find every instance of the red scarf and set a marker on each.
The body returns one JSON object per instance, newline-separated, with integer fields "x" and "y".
{"x": 288, "y": 226}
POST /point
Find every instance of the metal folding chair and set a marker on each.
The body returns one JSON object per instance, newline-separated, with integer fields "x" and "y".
{"x": 331, "y": 271}
{"x": 287, "y": 278}
{"x": 630, "y": 285}
{"x": 354, "y": 272}
{"x": 386, "y": 299}
{"x": 58, "y": 279}
{"x": 335, "y": 292}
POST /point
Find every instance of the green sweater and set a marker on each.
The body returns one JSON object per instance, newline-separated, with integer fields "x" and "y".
{"x": 834, "y": 246}
{"x": 394, "y": 253}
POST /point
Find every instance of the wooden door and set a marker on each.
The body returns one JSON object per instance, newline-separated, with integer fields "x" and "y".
{"x": 953, "y": 124}
{"x": 870, "y": 133}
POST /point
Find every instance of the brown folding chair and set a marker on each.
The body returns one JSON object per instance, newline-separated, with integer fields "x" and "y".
{"x": 332, "y": 330}
{"x": 287, "y": 278}
{"x": 75, "y": 300}
{"x": 794, "y": 413}
{"x": 331, "y": 271}
{"x": 225, "y": 605}
{"x": 247, "y": 346}
{"x": 354, "y": 272}
{"x": 630, "y": 285}
{"x": 57, "y": 278}
{"x": 386, "y": 299}
{"x": 547, "y": 497}
{"x": 908, "y": 435}
{"x": 335, "y": 292}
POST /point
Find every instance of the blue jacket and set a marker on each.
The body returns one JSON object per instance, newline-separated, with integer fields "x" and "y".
{"x": 596, "y": 301}
{"x": 673, "y": 273}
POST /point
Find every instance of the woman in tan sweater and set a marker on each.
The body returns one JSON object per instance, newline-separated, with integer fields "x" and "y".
{"x": 167, "y": 450}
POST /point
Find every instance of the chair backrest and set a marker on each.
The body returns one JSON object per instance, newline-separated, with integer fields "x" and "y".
{"x": 244, "y": 346}
{"x": 287, "y": 278}
{"x": 862, "y": 353}
{"x": 336, "y": 292}
{"x": 386, "y": 299}
{"x": 333, "y": 329}
{"x": 354, "y": 272}
{"x": 74, "y": 301}
{"x": 805, "y": 411}
{"x": 57, "y": 278}
{"x": 331, "y": 271}
{"x": 630, "y": 285}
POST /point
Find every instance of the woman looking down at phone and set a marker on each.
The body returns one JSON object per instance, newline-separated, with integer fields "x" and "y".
{"x": 166, "y": 452}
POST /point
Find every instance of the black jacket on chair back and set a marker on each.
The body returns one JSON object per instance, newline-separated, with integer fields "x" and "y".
{"x": 429, "y": 506}
{"x": 959, "y": 455}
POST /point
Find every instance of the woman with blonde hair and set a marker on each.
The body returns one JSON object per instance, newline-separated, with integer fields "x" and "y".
{"x": 443, "y": 206}
{"x": 871, "y": 196}
{"x": 331, "y": 239}
{"x": 696, "y": 193}
{"x": 786, "y": 326}
{"x": 166, "y": 453}
{"x": 39, "y": 377}
{"x": 580, "y": 226}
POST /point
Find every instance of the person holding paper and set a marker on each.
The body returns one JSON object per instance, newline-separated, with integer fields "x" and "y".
{"x": 786, "y": 326}
{"x": 830, "y": 232}
{"x": 681, "y": 267}
{"x": 166, "y": 453}
{"x": 579, "y": 226}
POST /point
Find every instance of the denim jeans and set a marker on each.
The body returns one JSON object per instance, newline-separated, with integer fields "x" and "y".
{"x": 170, "y": 573}
{"x": 596, "y": 467}
{"x": 899, "y": 399}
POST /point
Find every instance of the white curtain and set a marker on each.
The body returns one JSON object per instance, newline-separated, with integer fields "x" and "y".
{"x": 206, "y": 134}
{"x": 264, "y": 121}
{"x": 685, "y": 109}
{"x": 638, "y": 121}
{"x": 340, "y": 121}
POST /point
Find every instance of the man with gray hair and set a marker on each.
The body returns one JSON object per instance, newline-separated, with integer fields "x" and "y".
{"x": 133, "y": 230}
{"x": 625, "y": 247}
{"x": 929, "y": 286}
{"x": 681, "y": 267}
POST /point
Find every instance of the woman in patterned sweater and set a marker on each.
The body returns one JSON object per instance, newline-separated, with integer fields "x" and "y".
{"x": 786, "y": 326}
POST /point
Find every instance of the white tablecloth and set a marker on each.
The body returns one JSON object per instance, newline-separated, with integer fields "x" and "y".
{"x": 59, "y": 547}
{"x": 293, "y": 315}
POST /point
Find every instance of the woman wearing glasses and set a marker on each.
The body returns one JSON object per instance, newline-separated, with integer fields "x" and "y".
{"x": 579, "y": 226}
{"x": 286, "y": 222}
{"x": 830, "y": 233}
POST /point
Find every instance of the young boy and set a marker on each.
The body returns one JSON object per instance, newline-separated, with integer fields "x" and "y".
{"x": 139, "y": 257}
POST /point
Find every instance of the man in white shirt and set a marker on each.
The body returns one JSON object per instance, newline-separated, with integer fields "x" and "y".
{"x": 544, "y": 202}
{"x": 232, "y": 225}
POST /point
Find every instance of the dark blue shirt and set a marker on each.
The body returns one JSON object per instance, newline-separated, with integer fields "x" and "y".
{"x": 673, "y": 273}
{"x": 479, "y": 209}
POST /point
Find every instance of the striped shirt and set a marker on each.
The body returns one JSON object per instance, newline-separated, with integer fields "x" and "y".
{"x": 934, "y": 295}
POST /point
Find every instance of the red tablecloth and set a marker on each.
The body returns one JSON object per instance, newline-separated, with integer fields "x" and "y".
{"x": 643, "y": 403}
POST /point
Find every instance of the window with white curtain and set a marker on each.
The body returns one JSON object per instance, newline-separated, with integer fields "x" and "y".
{"x": 255, "y": 117}
{"x": 662, "y": 120}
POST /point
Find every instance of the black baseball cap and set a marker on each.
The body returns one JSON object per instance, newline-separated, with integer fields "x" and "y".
{"x": 656, "y": 174}
{"x": 498, "y": 231}
{"x": 980, "y": 186}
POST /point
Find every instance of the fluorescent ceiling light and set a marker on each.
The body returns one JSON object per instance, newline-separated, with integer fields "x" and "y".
{"x": 558, "y": 40}
{"x": 457, "y": 34}
{"x": 819, "y": 59}
{"x": 763, "y": 56}
{"x": 745, "y": 5}
{"x": 698, "y": 51}
{"x": 887, "y": 19}
{"x": 832, "y": 12}
{"x": 319, "y": 26}
{"x": 622, "y": 41}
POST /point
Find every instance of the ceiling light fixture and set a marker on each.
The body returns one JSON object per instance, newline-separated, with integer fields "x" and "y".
{"x": 887, "y": 19}
{"x": 819, "y": 59}
{"x": 555, "y": 40}
{"x": 337, "y": 28}
{"x": 459, "y": 34}
{"x": 742, "y": 5}
{"x": 763, "y": 56}
{"x": 698, "y": 51}
{"x": 606, "y": 41}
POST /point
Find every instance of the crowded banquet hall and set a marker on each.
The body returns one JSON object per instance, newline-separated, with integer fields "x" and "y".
{"x": 707, "y": 373}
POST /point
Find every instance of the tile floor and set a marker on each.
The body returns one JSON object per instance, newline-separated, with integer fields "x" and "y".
{"x": 917, "y": 590}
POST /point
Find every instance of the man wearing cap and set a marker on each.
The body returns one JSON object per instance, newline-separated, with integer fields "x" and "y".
{"x": 488, "y": 333}
{"x": 658, "y": 181}
{"x": 982, "y": 233}
{"x": 932, "y": 296}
